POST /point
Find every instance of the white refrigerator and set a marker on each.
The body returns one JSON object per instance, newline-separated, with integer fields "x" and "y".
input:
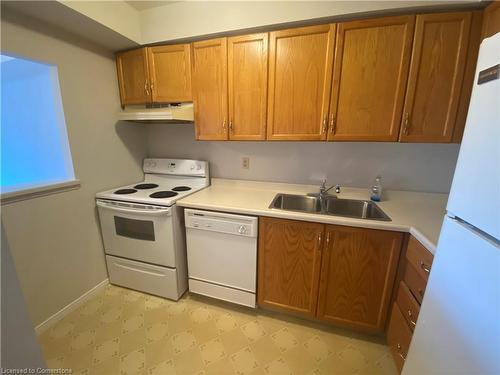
{"x": 458, "y": 329}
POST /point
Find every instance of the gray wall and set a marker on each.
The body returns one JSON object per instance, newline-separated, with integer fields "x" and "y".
{"x": 20, "y": 348}
{"x": 417, "y": 167}
{"x": 55, "y": 240}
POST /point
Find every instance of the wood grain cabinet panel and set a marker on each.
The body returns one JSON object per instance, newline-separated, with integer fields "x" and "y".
{"x": 419, "y": 257}
{"x": 371, "y": 64}
{"x": 133, "y": 77}
{"x": 289, "y": 260}
{"x": 491, "y": 23}
{"x": 435, "y": 78}
{"x": 247, "y": 80}
{"x": 170, "y": 68}
{"x": 357, "y": 276}
{"x": 398, "y": 337}
{"x": 408, "y": 305}
{"x": 209, "y": 74}
{"x": 470, "y": 70}
{"x": 300, "y": 70}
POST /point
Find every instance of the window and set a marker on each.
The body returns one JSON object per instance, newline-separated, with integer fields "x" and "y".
{"x": 35, "y": 152}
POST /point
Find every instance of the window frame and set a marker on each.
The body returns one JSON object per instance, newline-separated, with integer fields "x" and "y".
{"x": 48, "y": 188}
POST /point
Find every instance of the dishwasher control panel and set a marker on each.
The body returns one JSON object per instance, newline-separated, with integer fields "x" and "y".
{"x": 238, "y": 225}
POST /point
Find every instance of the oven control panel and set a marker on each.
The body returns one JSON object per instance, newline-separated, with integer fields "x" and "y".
{"x": 178, "y": 167}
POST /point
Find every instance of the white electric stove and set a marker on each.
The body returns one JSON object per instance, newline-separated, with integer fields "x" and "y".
{"x": 142, "y": 227}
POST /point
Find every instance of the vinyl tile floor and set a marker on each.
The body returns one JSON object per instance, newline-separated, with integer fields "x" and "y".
{"x": 121, "y": 331}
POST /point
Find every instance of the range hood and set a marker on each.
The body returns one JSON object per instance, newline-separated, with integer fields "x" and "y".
{"x": 165, "y": 113}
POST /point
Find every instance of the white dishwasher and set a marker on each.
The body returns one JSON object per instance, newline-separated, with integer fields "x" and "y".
{"x": 222, "y": 255}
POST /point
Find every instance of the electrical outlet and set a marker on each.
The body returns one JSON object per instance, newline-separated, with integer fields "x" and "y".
{"x": 245, "y": 162}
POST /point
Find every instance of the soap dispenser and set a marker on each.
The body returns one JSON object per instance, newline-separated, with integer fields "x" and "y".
{"x": 376, "y": 190}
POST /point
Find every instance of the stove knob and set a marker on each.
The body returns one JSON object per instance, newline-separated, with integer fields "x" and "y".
{"x": 242, "y": 229}
{"x": 198, "y": 166}
{"x": 192, "y": 167}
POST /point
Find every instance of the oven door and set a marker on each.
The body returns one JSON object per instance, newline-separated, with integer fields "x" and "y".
{"x": 138, "y": 232}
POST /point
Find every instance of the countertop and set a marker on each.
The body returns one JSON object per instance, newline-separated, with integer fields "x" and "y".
{"x": 420, "y": 214}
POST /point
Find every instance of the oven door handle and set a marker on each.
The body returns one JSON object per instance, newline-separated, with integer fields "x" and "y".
{"x": 156, "y": 212}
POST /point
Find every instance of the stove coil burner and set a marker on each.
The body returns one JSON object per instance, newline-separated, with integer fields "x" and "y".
{"x": 125, "y": 191}
{"x": 145, "y": 186}
{"x": 181, "y": 188}
{"x": 163, "y": 194}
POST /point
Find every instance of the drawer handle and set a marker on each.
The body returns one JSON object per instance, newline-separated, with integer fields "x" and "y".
{"x": 410, "y": 315}
{"x": 425, "y": 267}
{"x": 400, "y": 354}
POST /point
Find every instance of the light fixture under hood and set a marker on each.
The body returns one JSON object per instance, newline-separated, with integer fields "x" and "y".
{"x": 166, "y": 113}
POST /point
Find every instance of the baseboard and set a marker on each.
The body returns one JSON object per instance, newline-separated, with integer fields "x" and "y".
{"x": 42, "y": 327}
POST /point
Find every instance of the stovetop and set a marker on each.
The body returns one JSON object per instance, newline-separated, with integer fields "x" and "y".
{"x": 160, "y": 191}
{"x": 165, "y": 181}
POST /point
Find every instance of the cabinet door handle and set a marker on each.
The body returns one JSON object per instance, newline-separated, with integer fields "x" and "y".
{"x": 332, "y": 124}
{"x": 410, "y": 315}
{"x": 328, "y": 239}
{"x": 151, "y": 87}
{"x": 406, "y": 124}
{"x": 146, "y": 87}
{"x": 224, "y": 125}
{"x": 231, "y": 126}
{"x": 425, "y": 267}
{"x": 401, "y": 354}
{"x": 320, "y": 238}
{"x": 325, "y": 125}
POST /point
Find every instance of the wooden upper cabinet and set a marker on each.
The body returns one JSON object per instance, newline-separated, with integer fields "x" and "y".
{"x": 491, "y": 23}
{"x": 357, "y": 276}
{"x": 209, "y": 74}
{"x": 170, "y": 68}
{"x": 247, "y": 80}
{"x": 435, "y": 78}
{"x": 289, "y": 261}
{"x": 133, "y": 77}
{"x": 470, "y": 70}
{"x": 300, "y": 70}
{"x": 369, "y": 78}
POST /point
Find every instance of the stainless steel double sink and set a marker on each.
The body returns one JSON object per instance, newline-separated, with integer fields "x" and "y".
{"x": 329, "y": 205}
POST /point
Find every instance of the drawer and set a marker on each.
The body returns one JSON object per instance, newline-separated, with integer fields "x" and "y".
{"x": 419, "y": 257}
{"x": 415, "y": 282}
{"x": 149, "y": 278}
{"x": 408, "y": 305}
{"x": 398, "y": 337}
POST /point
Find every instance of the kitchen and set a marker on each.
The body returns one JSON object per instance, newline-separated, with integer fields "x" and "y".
{"x": 332, "y": 281}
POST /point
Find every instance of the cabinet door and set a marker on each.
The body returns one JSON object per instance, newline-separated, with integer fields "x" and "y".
{"x": 470, "y": 70}
{"x": 133, "y": 77}
{"x": 289, "y": 261}
{"x": 170, "y": 68}
{"x": 436, "y": 75}
{"x": 357, "y": 276}
{"x": 247, "y": 80}
{"x": 209, "y": 74}
{"x": 300, "y": 70}
{"x": 491, "y": 23}
{"x": 372, "y": 58}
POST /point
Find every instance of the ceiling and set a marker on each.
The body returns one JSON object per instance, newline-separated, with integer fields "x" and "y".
{"x": 143, "y": 5}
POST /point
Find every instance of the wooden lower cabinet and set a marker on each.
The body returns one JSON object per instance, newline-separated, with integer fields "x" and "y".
{"x": 412, "y": 281}
{"x": 398, "y": 337}
{"x": 357, "y": 276}
{"x": 289, "y": 261}
{"x": 337, "y": 274}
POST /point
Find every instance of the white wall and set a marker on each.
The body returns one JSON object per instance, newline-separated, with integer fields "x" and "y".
{"x": 185, "y": 19}
{"x": 116, "y": 15}
{"x": 55, "y": 240}
{"x": 417, "y": 167}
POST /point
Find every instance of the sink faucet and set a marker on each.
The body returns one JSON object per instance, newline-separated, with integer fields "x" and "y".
{"x": 323, "y": 190}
